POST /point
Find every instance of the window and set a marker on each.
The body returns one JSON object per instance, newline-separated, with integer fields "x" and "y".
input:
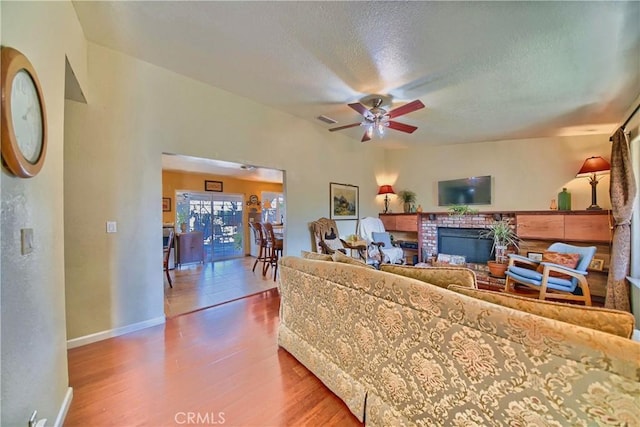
{"x": 218, "y": 216}
{"x": 273, "y": 207}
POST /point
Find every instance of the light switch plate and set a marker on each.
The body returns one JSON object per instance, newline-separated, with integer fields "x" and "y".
{"x": 26, "y": 240}
{"x": 112, "y": 227}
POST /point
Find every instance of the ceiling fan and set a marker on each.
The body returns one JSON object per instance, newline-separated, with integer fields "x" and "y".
{"x": 376, "y": 119}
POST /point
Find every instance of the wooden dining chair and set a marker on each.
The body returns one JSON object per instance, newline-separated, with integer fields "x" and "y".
{"x": 261, "y": 242}
{"x": 274, "y": 250}
{"x": 167, "y": 254}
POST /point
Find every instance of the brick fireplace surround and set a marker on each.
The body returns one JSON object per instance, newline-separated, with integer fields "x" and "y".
{"x": 428, "y": 229}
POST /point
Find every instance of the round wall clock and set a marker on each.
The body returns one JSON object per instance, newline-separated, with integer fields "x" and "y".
{"x": 23, "y": 115}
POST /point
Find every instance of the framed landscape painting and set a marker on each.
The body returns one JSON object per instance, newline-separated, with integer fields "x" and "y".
{"x": 343, "y": 199}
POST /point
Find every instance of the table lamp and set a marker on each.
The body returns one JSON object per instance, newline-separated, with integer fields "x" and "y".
{"x": 386, "y": 190}
{"x": 591, "y": 168}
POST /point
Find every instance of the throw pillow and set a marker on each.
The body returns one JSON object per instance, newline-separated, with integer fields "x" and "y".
{"x": 384, "y": 237}
{"x": 316, "y": 256}
{"x": 565, "y": 260}
{"x": 611, "y": 321}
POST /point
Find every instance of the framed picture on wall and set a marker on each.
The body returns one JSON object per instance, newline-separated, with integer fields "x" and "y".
{"x": 213, "y": 186}
{"x": 343, "y": 201}
{"x": 166, "y": 204}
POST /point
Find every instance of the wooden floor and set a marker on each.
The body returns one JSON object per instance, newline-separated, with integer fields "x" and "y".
{"x": 198, "y": 286}
{"x": 219, "y": 366}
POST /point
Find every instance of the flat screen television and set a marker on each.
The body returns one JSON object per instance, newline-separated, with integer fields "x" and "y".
{"x": 467, "y": 191}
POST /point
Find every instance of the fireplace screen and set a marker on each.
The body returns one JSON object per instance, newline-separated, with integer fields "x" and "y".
{"x": 466, "y": 242}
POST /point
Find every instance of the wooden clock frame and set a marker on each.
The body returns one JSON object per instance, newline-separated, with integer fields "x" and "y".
{"x": 13, "y": 61}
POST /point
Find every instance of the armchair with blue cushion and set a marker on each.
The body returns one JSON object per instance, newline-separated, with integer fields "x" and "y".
{"x": 380, "y": 249}
{"x": 552, "y": 280}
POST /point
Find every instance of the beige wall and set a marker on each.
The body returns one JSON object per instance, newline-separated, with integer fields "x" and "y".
{"x": 526, "y": 173}
{"x": 34, "y": 356}
{"x": 172, "y": 181}
{"x": 113, "y": 172}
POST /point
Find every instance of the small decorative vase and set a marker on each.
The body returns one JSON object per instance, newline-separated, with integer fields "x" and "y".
{"x": 553, "y": 205}
{"x": 564, "y": 200}
{"x": 183, "y": 227}
{"x": 419, "y": 208}
{"x": 407, "y": 207}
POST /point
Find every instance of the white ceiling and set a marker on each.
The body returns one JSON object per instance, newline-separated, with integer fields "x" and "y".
{"x": 485, "y": 70}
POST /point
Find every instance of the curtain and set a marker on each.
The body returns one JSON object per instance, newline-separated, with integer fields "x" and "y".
{"x": 623, "y": 192}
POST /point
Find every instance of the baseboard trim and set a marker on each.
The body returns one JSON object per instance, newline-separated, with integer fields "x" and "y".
{"x": 66, "y": 404}
{"x": 99, "y": 336}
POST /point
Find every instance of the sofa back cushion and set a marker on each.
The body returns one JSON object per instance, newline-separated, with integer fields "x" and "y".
{"x": 439, "y": 276}
{"x": 611, "y": 321}
{"x": 316, "y": 256}
{"x": 340, "y": 257}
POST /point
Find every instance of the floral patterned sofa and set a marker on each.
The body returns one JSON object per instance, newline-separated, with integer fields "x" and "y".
{"x": 399, "y": 351}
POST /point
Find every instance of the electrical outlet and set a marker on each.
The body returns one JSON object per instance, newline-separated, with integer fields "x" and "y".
{"x": 112, "y": 227}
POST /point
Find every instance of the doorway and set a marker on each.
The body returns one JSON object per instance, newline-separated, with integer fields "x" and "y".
{"x": 218, "y": 217}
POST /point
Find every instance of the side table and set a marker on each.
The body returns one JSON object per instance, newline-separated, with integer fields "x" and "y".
{"x": 360, "y": 246}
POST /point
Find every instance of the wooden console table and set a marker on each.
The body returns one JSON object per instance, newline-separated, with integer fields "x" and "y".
{"x": 190, "y": 247}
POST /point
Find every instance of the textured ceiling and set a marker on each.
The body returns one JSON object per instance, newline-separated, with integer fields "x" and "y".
{"x": 173, "y": 162}
{"x": 485, "y": 70}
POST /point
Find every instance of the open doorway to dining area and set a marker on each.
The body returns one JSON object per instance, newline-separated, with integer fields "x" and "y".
{"x": 208, "y": 204}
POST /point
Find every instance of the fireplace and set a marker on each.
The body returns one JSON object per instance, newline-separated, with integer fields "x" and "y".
{"x": 465, "y": 241}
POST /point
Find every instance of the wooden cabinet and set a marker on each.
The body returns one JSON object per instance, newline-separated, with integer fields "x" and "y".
{"x": 574, "y": 227}
{"x": 404, "y": 228}
{"x": 540, "y": 226}
{"x": 590, "y": 228}
{"x": 190, "y": 247}
{"x": 400, "y": 222}
{"x": 389, "y": 221}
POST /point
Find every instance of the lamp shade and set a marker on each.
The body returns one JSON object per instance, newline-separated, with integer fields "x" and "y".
{"x": 386, "y": 189}
{"x": 595, "y": 164}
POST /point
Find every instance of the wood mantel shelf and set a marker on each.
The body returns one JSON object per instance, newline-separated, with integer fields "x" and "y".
{"x": 547, "y": 212}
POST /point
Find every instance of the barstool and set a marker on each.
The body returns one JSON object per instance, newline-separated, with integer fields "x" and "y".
{"x": 274, "y": 249}
{"x": 261, "y": 242}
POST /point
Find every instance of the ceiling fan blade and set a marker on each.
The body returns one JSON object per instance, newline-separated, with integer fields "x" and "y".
{"x": 402, "y": 127}
{"x": 344, "y": 127}
{"x": 361, "y": 109}
{"x": 365, "y": 137}
{"x": 406, "y": 109}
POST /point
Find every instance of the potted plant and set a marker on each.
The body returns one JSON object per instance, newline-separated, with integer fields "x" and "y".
{"x": 503, "y": 236}
{"x": 183, "y": 221}
{"x": 408, "y": 199}
{"x": 459, "y": 210}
